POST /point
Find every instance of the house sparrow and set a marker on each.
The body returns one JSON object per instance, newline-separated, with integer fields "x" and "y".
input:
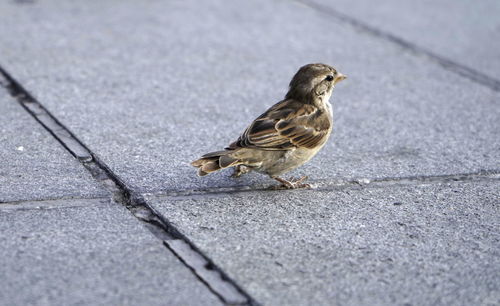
{"x": 287, "y": 135}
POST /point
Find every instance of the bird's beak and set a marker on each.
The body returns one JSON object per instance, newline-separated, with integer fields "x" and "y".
{"x": 339, "y": 78}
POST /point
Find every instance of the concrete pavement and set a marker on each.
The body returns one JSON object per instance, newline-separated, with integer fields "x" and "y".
{"x": 406, "y": 205}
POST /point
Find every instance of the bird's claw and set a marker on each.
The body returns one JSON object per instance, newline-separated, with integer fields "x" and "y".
{"x": 292, "y": 184}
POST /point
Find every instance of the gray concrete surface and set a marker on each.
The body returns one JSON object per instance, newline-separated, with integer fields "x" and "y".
{"x": 33, "y": 166}
{"x": 417, "y": 244}
{"x": 150, "y": 86}
{"x": 151, "y": 90}
{"x": 467, "y": 32}
{"x": 88, "y": 252}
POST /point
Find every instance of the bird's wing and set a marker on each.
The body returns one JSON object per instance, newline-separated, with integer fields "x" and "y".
{"x": 286, "y": 125}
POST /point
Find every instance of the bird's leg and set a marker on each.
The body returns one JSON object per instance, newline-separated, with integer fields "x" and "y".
{"x": 300, "y": 180}
{"x": 284, "y": 183}
{"x": 240, "y": 170}
{"x": 293, "y": 184}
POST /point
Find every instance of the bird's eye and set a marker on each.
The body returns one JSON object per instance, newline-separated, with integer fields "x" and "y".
{"x": 329, "y": 78}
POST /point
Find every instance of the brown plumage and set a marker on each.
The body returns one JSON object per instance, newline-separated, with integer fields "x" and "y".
{"x": 285, "y": 136}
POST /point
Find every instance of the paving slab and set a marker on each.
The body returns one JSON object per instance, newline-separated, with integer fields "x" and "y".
{"x": 151, "y": 86}
{"x": 416, "y": 244}
{"x": 466, "y": 32}
{"x": 33, "y": 165}
{"x": 88, "y": 252}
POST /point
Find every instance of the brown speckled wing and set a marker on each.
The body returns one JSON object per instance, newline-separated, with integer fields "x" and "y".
{"x": 286, "y": 125}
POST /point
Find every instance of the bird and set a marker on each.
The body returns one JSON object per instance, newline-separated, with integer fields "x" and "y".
{"x": 285, "y": 136}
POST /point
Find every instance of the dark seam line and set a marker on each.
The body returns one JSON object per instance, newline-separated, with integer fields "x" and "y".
{"x": 48, "y": 200}
{"x": 222, "y": 285}
{"x": 24, "y": 207}
{"x": 332, "y": 185}
{"x": 53, "y": 203}
{"x": 448, "y": 64}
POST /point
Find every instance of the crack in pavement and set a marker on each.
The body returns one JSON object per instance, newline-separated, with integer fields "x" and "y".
{"x": 216, "y": 280}
{"x": 330, "y": 185}
{"x": 450, "y": 65}
{"x": 45, "y": 204}
{"x": 48, "y": 199}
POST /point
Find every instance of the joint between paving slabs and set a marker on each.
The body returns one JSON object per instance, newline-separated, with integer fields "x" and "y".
{"x": 447, "y": 64}
{"x": 339, "y": 184}
{"x": 52, "y": 203}
{"x": 200, "y": 265}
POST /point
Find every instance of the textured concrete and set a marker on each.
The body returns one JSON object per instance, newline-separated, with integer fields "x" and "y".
{"x": 33, "y": 165}
{"x": 90, "y": 252}
{"x": 467, "y": 32}
{"x": 426, "y": 244}
{"x": 151, "y": 86}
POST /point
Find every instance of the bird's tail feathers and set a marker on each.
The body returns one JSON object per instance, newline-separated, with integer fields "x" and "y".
{"x": 214, "y": 161}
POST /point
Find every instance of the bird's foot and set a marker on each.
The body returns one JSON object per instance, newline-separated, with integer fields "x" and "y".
{"x": 240, "y": 170}
{"x": 292, "y": 184}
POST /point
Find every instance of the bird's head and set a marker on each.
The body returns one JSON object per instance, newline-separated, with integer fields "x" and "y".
{"x": 313, "y": 82}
